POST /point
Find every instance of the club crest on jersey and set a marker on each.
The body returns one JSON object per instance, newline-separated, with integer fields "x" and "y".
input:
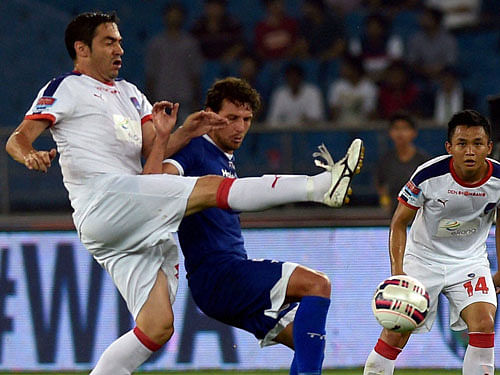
{"x": 135, "y": 102}
{"x": 44, "y": 102}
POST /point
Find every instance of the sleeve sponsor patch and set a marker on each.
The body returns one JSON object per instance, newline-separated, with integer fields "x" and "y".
{"x": 44, "y": 102}
{"x": 412, "y": 188}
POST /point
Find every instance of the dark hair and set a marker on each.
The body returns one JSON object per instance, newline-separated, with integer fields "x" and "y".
{"x": 355, "y": 63}
{"x": 378, "y": 18}
{"x": 236, "y": 90}
{"x": 468, "y": 117}
{"x": 435, "y": 13}
{"x": 82, "y": 28}
{"x": 402, "y": 116}
{"x": 294, "y": 67}
{"x": 174, "y": 6}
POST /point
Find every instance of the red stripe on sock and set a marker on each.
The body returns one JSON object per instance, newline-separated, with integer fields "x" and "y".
{"x": 482, "y": 340}
{"x": 386, "y": 350}
{"x": 223, "y": 193}
{"x": 145, "y": 340}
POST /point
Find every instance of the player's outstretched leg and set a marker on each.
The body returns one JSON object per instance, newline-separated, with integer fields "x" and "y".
{"x": 258, "y": 193}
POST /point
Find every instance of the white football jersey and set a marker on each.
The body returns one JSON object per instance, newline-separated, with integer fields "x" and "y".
{"x": 96, "y": 126}
{"x": 454, "y": 217}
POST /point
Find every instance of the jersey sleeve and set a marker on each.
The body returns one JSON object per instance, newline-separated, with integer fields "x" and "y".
{"x": 52, "y": 104}
{"x": 145, "y": 109}
{"x": 411, "y": 195}
{"x": 185, "y": 159}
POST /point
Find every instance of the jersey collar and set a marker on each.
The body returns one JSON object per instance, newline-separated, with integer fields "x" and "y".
{"x": 103, "y": 82}
{"x": 467, "y": 184}
{"x": 207, "y": 137}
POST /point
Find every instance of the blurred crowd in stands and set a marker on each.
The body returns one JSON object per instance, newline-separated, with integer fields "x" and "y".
{"x": 342, "y": 62}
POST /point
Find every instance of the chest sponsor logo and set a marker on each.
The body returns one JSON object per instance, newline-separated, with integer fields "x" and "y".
{"x": 225, "y": 173}
{"x": 467, "y": 193}
{"x": 127, "y": 130}
{"x": 111, "y": 90}
{"x": 44, "y": 102}
{"x": 455, "y": 228}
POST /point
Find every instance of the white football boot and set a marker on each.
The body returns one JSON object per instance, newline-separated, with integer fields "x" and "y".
{"x": 342, "y": 171}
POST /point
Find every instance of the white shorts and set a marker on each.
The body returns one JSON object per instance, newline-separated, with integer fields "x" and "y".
{"x": 461, "y": 283}
{"x": 128, "y": 229}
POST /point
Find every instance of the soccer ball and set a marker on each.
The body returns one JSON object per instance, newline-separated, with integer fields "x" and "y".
{"x": 400, "y": 303}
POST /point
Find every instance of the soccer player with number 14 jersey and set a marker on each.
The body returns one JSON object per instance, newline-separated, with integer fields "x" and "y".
{"x": 452, "y": 200}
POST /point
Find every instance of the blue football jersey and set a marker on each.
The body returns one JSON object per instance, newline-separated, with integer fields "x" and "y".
{"x": 213, "y": 231}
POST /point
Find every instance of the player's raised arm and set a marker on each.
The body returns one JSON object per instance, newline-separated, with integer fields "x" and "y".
{"x": 20, "y": 145}
{"x": 164, "y": 117}
{"x": 397, "y": 237}
{"x": 195, "y": 125}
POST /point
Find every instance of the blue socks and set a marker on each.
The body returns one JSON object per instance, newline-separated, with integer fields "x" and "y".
{"x": 309, "y": 335}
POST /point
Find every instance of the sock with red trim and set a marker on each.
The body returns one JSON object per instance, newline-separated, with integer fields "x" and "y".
{"x": 260, "y": 193}
{"x": 480, "y": 355}
{"x": 381, "y": 359}
{"x": 125, "y": 354}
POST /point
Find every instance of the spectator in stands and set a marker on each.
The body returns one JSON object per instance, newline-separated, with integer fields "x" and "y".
{"x": 376, "y": 46}
{"x": 353, "y": 97}
{"x": 432, "y": 48}
{"x": 458, "y": 14}
{"x": 297, "y": 102}
{"x": 173, "y": 62}
{"x": 220, "y": 34}
{"x": 276, "y": 35}
{"x": 321, "y": 31}
{"x": 395, "y": 167}
{"x": 450, "y": 97}
{"x": 398, "y": 91}
{"x": 248, "y": 70}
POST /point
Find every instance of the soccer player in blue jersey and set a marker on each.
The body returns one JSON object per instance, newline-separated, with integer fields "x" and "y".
{"x": 279, "y": 302}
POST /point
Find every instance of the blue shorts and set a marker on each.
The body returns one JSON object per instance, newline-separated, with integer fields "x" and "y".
{"x": 245, "y": 293}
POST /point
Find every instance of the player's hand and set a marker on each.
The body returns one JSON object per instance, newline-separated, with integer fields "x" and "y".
{"x": 164, "y": 118}
{"x": 39, "y": 160}
{"x": 202, "y": 122}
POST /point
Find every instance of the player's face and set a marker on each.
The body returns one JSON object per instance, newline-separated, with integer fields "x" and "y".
{"x": 105, "y": 58}
{"x": 240, "y": 118}
{"x": 402, "y": 133}
{"x": 469, "y": 147}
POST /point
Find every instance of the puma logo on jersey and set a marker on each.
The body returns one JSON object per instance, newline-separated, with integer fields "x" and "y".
{"x": 443, "y": 201}
{"x": 276, "y": 178}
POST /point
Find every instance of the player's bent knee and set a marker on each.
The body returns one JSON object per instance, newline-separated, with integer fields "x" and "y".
{"x": 318, "y": 284}
{"x": 483, "y": 323}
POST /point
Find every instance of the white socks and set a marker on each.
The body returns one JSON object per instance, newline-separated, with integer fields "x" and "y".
{"x": 480, "y": 354}
{"x": 377, "y": 365}
{"x": 123, "y": 356}
{"x": 259, "y": 193}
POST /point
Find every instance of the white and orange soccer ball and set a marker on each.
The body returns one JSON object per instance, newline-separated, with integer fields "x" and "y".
{"x": 400, "y": 303}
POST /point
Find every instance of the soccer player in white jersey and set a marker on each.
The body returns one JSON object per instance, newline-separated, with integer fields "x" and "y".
{"x": 453, "y": 200}
{"x": 102, "y": 126}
